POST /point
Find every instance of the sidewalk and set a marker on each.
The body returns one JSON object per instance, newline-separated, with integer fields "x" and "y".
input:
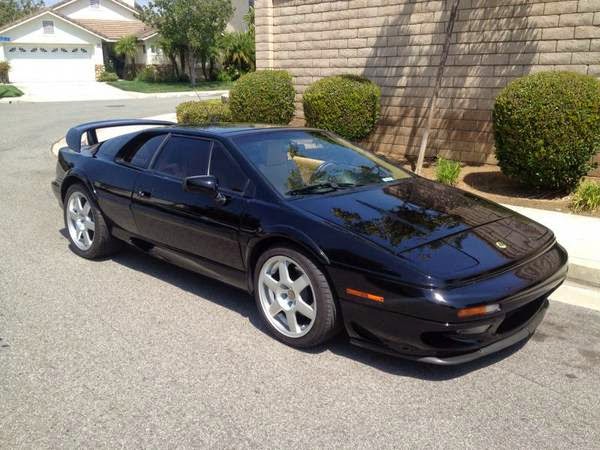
{"x": 580, "y": 235}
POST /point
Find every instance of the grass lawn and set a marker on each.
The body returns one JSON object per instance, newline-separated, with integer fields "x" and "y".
{"x": 152, "y": 88}
{"x": 7, "y": 90}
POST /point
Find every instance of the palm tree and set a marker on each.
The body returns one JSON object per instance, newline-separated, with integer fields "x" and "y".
{"x": 127, "y": 47}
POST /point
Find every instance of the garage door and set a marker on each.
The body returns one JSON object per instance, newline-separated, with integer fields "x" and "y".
{"x": 50, "y": 63}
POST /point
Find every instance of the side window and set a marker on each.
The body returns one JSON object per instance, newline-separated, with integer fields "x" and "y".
{"x": 183, "y": 157}
{"x": 226, "y": 170}
{"x": 142, "y": 156}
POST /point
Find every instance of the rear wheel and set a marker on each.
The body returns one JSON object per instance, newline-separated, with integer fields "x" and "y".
{"x": 85, "y": 223}
{"x": 294, "y": 298}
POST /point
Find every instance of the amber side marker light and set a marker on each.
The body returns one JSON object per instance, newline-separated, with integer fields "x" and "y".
{"x": 361, "y": 294}
{"x": 478, "y": 311}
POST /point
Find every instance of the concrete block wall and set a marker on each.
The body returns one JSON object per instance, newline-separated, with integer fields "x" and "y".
{"x": 398, "y": 43}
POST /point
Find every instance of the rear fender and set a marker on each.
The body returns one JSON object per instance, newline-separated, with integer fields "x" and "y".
{"x": 74, "y": 176}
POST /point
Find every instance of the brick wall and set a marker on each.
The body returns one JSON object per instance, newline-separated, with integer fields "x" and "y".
{"x": 397, "y": 44}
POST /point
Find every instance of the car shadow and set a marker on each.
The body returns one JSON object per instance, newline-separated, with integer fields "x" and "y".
{"x": 243, "y": 304}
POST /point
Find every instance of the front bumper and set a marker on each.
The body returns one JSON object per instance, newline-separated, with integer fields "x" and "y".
{"x": 414, "y": 325}
{"x": 448, "y": 357}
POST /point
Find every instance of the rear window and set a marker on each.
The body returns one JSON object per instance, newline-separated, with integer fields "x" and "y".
{"x": 141, "y": 154}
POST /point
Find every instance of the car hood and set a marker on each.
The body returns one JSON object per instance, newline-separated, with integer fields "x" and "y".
{"x": 444, "y": 231}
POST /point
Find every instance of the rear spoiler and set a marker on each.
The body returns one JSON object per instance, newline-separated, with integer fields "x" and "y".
{"x": 75, "y": 134}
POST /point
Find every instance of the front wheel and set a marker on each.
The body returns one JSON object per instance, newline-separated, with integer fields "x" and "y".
{"x": 294, "y": 298}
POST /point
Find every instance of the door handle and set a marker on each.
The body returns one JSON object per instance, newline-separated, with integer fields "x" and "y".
{"x": 144, "y": 194}
{"x": 221, "y": 199}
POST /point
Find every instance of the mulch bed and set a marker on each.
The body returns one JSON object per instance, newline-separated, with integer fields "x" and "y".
{"x": 489, "y": 182}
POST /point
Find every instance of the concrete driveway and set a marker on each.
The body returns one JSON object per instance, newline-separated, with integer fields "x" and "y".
{"x": 70, "y": 91}
{"x": 131, "y": 352}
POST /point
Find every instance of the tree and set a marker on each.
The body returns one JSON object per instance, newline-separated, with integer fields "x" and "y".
{"x": 161, "y": 15}
{"x": 438, "y": 83}
{"x": 238, "y": 48}
{"x": 170, "y": 49}
{"x": 195, "y": 25}
{"x": 207, "y": 22}
{"x": 127, "y": 47}
{"x": 13, "y": 10}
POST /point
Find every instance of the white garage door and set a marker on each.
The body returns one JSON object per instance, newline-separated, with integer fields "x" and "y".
{"x": 50, "y": 63}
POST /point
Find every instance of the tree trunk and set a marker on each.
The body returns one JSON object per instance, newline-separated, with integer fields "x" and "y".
{"x": 436, "y": 89}
{"x": 211, "y": 70}
{"x": 174, "y": 67}
{"x": 203, "y": 64}
{"x": 182, "y": 59}
{"x": 192, "y": 66}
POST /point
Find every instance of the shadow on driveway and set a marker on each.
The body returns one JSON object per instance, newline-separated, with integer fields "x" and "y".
{"x": 243, "y": 304}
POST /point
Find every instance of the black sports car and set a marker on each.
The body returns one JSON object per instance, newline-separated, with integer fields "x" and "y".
{"x": 323, "y": 233}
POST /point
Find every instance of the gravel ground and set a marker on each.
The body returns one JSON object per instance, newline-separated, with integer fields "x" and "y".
{"x": 132, "y": 352}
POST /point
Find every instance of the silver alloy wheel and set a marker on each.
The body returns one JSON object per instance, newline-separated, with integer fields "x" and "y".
{"x": 287, "y": 296}
{"x": 80, "y": 221}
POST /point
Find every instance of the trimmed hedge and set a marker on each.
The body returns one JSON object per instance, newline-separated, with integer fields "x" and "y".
{"x": 547, "y": 129}
{"x": 108, "y": 76}
{"x": 266, "y": 96}
{"x": 348, "y": 105}
{"x": 147, "y": 74}
{"x": 203, "y": 112}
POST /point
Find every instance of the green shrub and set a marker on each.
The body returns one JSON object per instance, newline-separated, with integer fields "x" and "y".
{"x": 164, "y": 73}
{"x": 447, "y": 171}
{"x": 223, "y": 75}
{"x": 4, "y": 68}
{"x": 266, "y": 96}
{"x": 148, "y": 74}
{"x": 202, "y": 112}
{"x": 108, "y": 76}
{"x": 547, "y": 129}
{"x": 8, "y": 90}
{"x": 586, "y": 197}
{"x": 348, "y": 105}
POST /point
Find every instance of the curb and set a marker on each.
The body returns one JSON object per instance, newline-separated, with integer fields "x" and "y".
{"x": 585, "y": 275}
{"x": 128, "y": 95}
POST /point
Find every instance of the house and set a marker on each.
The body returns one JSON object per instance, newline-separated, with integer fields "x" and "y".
{"x": 73, "y": 40}
{"x": 398, "y": 45}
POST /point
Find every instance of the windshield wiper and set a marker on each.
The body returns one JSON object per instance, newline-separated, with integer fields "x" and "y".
{"x": 320, "y": 188}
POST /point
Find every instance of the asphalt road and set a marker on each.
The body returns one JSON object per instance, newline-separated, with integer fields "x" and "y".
{"x": 132, "y": 352}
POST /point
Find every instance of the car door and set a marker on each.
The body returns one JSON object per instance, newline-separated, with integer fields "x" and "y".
{"x": 191, "y": 222}
{"x": 115, "y": 182}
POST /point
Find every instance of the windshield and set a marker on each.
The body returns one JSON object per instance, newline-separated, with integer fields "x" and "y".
{"x": 299, "y": 162}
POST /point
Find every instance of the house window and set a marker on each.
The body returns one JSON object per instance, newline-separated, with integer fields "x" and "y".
{"x": 48, "y": 26}
{"x": 95, "y": 3}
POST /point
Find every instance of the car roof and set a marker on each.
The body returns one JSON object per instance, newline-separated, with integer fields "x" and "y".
{"x": 230, "y": 129}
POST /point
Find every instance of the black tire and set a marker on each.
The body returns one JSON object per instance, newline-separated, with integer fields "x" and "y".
{"x": 327, "y": 321}
{"x": 103, "y": 243}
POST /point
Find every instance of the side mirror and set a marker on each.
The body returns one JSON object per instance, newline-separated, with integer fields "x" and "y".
{"x": 205, "y": 184}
